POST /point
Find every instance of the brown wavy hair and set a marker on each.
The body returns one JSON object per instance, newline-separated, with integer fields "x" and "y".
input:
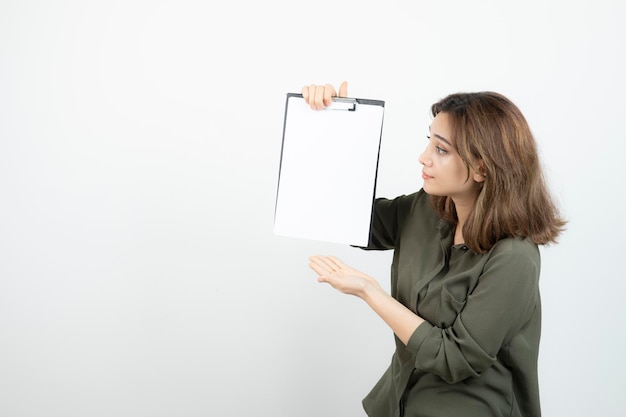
{"x": 513, "y": 200}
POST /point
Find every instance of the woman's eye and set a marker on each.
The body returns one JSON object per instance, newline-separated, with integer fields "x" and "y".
{"x": 438, "y": 149}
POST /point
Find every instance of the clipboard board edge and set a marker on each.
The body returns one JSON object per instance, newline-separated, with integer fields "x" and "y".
{"x": 371, "y": 102}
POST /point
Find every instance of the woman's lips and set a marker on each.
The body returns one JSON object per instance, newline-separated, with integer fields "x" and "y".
{"x": 425, "y": 176}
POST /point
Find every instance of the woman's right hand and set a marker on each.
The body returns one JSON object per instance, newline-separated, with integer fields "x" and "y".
{"x": 321, "y": 96}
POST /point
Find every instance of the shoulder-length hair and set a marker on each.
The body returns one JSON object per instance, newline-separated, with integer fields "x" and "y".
{"x": 513, "y": 200}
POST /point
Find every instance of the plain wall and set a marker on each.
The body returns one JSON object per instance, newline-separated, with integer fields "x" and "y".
{"x": 139, "y": 153}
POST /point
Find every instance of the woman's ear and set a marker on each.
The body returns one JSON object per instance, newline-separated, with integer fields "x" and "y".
{"x": 480, "y": 174}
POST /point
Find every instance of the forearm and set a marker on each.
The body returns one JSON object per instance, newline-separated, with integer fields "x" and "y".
{"x": 348, "y": 280}
{"x": 402, "y": 321}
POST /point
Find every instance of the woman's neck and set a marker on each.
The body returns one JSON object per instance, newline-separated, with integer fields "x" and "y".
{"x": 463, "y": 210}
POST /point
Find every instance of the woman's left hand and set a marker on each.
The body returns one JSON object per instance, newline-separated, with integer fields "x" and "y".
{"x": 341, "y": 276}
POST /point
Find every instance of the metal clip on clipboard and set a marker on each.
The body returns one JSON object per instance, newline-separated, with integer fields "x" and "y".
{"x": 342, "y": 103}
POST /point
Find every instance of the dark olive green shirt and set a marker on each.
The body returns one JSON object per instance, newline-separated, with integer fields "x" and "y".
{"x": 476, "y": 354}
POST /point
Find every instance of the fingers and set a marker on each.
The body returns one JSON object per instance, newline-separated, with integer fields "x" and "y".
{"x": 343, "y": 89}
{"x": 334, "y": 264}
{"x": 321, "y": 265}
{"x": 321, "y": 96}
{"x": 318, "y": 98}
{"x": 314, "y": 95}
{"x": 329, "y": 93}
{"x": 314, "y": 264}
{"x": 307, "y": 92}
{"x": 325, "y": 265}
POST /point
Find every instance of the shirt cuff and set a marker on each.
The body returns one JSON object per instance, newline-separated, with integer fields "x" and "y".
{"x": 419, "y": 336}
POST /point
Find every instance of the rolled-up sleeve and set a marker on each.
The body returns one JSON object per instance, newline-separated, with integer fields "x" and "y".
{"x": 499, "y": 306}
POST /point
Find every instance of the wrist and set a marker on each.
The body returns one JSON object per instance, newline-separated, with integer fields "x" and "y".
{"x": 371, "y": 291}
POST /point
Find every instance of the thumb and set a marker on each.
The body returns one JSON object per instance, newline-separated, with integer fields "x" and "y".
{"x": 343, "y": 89}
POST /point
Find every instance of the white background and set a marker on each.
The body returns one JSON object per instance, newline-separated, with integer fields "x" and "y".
{"x": 139, "y": 152}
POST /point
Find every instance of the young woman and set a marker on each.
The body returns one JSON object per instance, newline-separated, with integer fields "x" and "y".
{"x": 464, "y": 304}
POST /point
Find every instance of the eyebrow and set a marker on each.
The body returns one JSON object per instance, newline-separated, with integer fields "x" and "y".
{"x": 441, "y": 138}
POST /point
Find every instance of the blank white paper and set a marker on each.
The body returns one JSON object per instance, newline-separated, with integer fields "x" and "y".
{"x": 327, "y": 179}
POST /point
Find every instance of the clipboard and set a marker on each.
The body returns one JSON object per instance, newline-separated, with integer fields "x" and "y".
{"x": 328, "y": 170}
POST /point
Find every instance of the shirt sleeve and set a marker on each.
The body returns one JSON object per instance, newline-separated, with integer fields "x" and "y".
{"x": 500, "y": 305}
{"x": 388, "y": 219}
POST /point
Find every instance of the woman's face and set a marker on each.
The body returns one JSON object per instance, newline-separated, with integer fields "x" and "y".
{"x": 444, "y": 172}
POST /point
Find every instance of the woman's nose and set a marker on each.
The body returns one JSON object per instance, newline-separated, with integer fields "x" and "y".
{"x": 424, "y": 159}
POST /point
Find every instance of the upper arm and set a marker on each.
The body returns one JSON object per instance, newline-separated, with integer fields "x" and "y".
{"x": 388, "y": 218}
